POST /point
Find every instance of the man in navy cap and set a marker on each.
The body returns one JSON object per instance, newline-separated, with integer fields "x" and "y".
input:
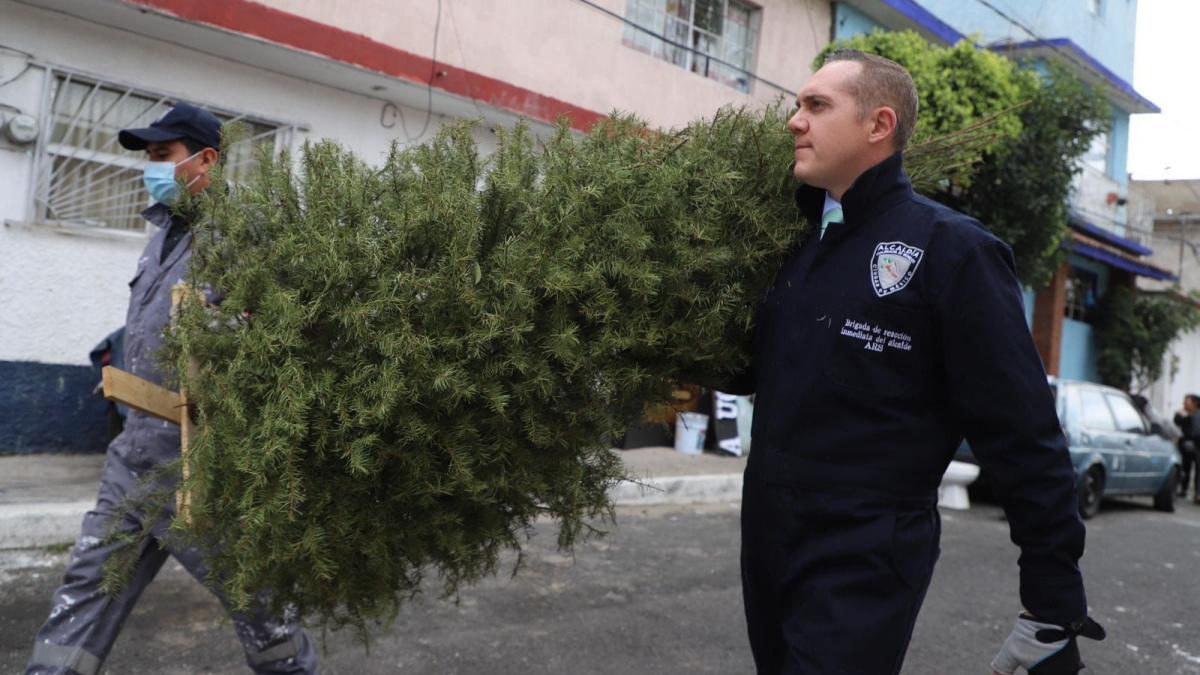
{"x": 183, "y": 147}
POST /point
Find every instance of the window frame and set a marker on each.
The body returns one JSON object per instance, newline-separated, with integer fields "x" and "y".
{"x": 102, "y": 154}
{"x": 681, "y": 49}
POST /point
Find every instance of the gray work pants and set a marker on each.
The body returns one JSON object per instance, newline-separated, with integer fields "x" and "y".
{"x": 85, "y": 621}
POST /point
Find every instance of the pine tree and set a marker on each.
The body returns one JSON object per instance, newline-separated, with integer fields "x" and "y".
{"x": 413, "y": 363}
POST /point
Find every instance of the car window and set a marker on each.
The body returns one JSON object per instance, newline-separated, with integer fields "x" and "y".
{"x": 1094, "y": 411}
{"x": 1126, "y": 415}
{"x": 1074, "y": 416}
{"x": 1060, "y": 403}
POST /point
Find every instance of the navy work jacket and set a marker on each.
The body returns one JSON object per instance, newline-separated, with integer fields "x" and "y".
{"x": 883, "y": 344}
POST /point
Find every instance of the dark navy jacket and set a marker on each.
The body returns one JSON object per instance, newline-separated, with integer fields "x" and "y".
{"x": 880, "y": 346}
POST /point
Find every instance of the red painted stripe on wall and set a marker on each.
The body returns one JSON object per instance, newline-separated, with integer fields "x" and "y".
{"x": 297, "y": 32}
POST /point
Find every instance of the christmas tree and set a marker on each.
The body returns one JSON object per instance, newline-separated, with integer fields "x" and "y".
{"x": 413, "y": 363}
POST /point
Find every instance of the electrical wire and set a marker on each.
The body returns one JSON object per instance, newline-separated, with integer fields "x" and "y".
{"x": 680, "y": 45}
{"x": 1032, "y": 33}
{"x": 1013, "y": 21}
{"x": 433, "y": 73}
{"x": 28, "y": 65}
{"x": 1155, "y": 234}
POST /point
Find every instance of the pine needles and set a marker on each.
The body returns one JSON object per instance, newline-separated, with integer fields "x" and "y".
{"x": 414, "y": 362}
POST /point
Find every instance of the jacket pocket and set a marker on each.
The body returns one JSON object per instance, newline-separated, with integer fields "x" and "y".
{"x": 880, "y": 349}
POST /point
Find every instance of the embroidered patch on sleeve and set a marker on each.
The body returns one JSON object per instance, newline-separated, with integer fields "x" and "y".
{"x": 893, "y": 265}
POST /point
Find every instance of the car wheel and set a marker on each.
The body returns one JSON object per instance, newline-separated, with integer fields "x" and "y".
{"x": 1165, "y": 499}
{"x": 1090, "y": 491}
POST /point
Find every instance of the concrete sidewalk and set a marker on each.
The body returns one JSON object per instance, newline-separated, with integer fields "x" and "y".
{"x": 43, "y": 497}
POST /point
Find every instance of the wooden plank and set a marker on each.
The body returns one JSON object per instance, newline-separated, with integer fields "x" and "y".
{"x": 180, "y": 294}
{"x": 183, "y": 496}
{"x": 187, "y": 428}
{"x": 133, "y": 391}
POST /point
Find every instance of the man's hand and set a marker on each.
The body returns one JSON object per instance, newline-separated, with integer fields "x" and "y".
{"x": 1044, "y": 648}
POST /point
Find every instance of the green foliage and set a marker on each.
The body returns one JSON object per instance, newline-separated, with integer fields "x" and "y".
{"x": 1020, "y": 190}
{"x": 958, "y": 87}
{"x": 1134, "y": 331}
{"x": 413, "y": 363}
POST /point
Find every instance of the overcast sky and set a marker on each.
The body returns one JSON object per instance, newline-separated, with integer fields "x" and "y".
{"x": 1165, "y": 72}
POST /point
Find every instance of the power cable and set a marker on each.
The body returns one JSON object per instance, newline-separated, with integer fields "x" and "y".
{"x": 433, "y": 73}
{"x": 1023, "y": 26}
{"x": 1013, "y": 21}
{"x": 28, "y": 64}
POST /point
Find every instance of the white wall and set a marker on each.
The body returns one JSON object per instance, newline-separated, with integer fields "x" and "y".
{"x": 1172, "y": 244}
{"x": 1168, "y": 392}
{"x": 60, "y": 294}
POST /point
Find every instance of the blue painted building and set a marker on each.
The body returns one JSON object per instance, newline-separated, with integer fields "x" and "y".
{"x": 1095, "y": 39}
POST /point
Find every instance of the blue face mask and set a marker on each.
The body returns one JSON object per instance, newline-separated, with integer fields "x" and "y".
{"x": 159, "y": 178}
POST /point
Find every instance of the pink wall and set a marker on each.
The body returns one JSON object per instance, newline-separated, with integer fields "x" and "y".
{"x": 566, "y": 50}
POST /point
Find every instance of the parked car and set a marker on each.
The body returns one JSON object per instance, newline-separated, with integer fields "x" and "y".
{"x": 1115, "y": 450}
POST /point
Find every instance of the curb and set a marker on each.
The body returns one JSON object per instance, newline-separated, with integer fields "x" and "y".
{"x": 703, "y": 489}
{"x": 48, "y": 524}
{"x": 38, "y": 525}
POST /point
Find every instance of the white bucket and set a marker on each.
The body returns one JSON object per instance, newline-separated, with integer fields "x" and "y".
{"x": 690, "y": 430}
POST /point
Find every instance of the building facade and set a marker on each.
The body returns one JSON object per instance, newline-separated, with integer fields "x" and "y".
{"x": 365, "y": 73}
{"x": 1174, "y": 208}
{"x": 1095, "y": 40}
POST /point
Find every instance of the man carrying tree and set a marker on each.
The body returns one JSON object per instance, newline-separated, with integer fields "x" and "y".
{"x": 182, "y": 147}
{"x": 889, "y": 335}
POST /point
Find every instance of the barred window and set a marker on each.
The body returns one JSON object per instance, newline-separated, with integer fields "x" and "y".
{"x": 83, "y": 177}
{"x": 713, "y": 38}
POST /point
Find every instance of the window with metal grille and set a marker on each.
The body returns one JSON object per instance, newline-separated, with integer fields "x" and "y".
{"x": 714, "y": 38}
{"x": 83, "y": 177}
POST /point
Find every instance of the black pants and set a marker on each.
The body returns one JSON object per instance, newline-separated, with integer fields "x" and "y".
{"x": 832, "y": 585}
{"x": 1185, "y": 475}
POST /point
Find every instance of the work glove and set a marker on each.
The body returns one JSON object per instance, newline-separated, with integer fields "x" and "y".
{"x": 1044, "y": 648}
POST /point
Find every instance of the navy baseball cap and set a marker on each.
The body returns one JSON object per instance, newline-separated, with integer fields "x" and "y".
{"x": 183, "y": 121}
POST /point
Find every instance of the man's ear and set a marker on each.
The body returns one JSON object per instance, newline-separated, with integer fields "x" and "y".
{"x": 209, "y": 157}
{"x": 883, "y": 125}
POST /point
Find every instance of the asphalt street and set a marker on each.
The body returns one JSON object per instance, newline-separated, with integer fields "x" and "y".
{"x": 660, "y": 594}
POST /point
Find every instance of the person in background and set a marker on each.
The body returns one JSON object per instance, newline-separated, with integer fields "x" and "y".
{"x": 1189, "y": 443}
